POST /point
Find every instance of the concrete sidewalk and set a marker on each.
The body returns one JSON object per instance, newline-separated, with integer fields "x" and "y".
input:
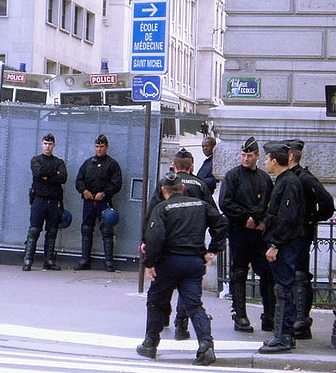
{"x": 95, "y": 313}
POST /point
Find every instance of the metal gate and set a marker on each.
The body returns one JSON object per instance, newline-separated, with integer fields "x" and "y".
{"x": 21, "y": 130}
{"x": 322, "y": 266}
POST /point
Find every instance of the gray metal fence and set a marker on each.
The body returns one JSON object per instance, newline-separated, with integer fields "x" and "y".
{"x": 21, "y": 130}
{"x": 322, "y": 266}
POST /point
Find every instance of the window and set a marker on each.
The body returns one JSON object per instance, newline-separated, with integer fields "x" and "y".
{"x": 53, "y": 11}
{"x": 3, "y": 8}
{"x": 64, "y": 69}
{"x": 51, "y": 67}
{"x": 66, "y": 15}
{"x": 75, "y": 71}
{"x": 89, "y": 27}
{"x": 2, "y": 58}
{"x": 78, "y": 21}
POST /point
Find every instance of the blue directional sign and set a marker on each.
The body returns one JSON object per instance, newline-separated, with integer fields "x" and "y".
{"x": 150, "y": 37}
{"x": 146, "y": 88}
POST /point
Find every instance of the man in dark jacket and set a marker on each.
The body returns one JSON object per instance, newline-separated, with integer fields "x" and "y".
{"x": 243, "y": 198}
{"x": 194, "y": 187}
{"x": 49, "y": 173}
{"x": 175, "y": 257}
{"x": 98, "y": 180}
{"x": 303, "y": 292}
{"x": 205, "y": 172}
{"x": 283, "y": 230}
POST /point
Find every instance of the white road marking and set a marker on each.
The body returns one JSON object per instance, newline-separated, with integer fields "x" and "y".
{"x": 104, "y": 340}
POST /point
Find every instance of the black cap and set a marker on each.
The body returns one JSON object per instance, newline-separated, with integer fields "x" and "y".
{"x": 170, "y": 179}
{"x": 276, "y": 148}
{"x": 101, "y": 139}
{"x": 183, "y": 153}
{"x": 49, "y": 137}
{"x": 295, "y": 144}
{"x": 250, "y": 145}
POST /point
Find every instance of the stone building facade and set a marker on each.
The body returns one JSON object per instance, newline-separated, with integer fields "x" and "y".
{"x": 279, "y": 56}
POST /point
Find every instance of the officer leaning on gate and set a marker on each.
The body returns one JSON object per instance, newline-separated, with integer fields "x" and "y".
{"x": 49, "y": 173}
{"x": 175, "y": 258}
{"x": 98, "y": 180}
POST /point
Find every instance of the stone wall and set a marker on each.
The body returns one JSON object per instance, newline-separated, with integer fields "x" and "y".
{"x": 289, "y": 47}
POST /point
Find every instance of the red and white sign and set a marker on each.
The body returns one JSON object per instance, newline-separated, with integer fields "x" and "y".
{"x": 103, "y": 79}
{"x": 15, "y": 77}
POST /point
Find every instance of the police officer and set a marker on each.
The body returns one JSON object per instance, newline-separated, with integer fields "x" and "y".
{"x": 175, "y": 257}
{"x": 283, "y": 231}
{"x": 98, "y": 180}
{"x": 243, "y": 198}
{"x": 49, "y": 173}
{"x": 194, "y": 187}
{"x": 303, "y": 292}
{"x": 205, "y": 172}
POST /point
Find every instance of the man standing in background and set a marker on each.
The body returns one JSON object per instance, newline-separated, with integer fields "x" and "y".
{"x": 49, "y": 173}
{"x": 243, "y": 198}
{"x": 205, "y": 172}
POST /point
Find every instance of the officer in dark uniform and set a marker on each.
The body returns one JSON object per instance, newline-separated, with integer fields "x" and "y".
{"x": 283, "y": 232}
{"x": 98, "y": 180}
{"x": 243, "y": 198}
{"x": 49, "y": 173}
{"x": 194, "y": 187}
{"x": 303, "y": 291}
{"x": 205, "y": 172}
{"x": 175, "y": 257}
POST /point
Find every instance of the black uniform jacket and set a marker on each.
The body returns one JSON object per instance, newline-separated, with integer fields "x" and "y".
{"x": 244, "y": 193}
{"x": 54, "y": 170}
{"x": 285, "y": 215}
{"x": 100, "y": 174}
{"x": 178, "y": 225}
{"x": 194, "y": 187}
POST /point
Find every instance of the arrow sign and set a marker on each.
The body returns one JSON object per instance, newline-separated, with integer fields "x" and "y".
{"x": 153, "y": 9}
{"x": 150, "y": 37}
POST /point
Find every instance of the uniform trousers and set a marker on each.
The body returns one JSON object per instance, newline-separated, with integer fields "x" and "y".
{"x": 185, "y": 274}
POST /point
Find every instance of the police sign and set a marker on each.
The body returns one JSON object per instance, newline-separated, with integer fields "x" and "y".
{"x": 150, "y": 37}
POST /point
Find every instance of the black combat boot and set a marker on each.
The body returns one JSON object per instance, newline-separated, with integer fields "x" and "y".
{"x": 49, "y": 251}
{"x": 268, "y": 299}
{"x": 303, "y": 322}
{"x": 239, "y": 316}
{"x": 205, "y": 354}
{"x": 148, "y": 347}
{"x": 108, "y": 250}
{"x": 30, "y": 249}
{"x": 87, "y": 238}
{"x": 181, "y": 328}
{"x": 281, "y": 342}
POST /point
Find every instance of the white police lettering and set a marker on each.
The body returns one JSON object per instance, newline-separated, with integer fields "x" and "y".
{"x": 183, "y": 205}
{"x": 191, "y": 182}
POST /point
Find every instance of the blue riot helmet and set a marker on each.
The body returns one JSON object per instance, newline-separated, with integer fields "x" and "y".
{"x": 110, "y": 216}
{"x": 66, "y": 220}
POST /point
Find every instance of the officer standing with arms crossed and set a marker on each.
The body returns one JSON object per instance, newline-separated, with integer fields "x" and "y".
{"x": 175, "y": 257}
{"x": 98, "y": 180}
{"x": 243, "y": 198}
{"x": 283, "y": 230}
{"x": 49, "y": 173}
